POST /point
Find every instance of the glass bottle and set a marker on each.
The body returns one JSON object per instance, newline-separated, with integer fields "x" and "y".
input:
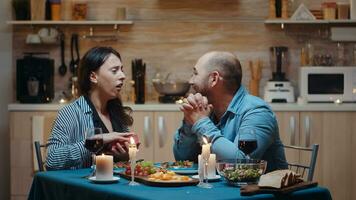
{"x": 309, "y": 54}
{"x": 340, "y": 54}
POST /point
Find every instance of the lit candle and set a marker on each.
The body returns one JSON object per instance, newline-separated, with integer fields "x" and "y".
{"x": 104, "y": 167}
{"x": 132, "y": 150}
{"x": 205, "y": 152}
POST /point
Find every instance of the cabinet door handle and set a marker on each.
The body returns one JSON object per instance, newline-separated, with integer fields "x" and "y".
{"x": 146, "y": 131}
{"x": 292, "y": 130}
{"x": 161, "y": 131}
{"x": 307, "y": 131}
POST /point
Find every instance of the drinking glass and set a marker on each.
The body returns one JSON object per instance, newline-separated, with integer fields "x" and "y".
{"x": 94, "y": 142}
{"x": 247, "y": 142}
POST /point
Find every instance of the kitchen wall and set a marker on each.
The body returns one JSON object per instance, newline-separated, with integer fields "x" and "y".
{"x": 6, "y": 97}
{"x": 171, "y": 35}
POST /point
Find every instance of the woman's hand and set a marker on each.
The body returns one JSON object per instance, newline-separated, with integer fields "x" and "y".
{"x": 116, "y": 137}
{"x": 119, "y": 143}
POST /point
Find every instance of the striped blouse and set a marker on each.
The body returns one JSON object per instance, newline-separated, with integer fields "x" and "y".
{"x": 66, "y": 144}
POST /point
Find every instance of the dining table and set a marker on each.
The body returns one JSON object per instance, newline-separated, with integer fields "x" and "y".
{"x": 74, "y": 184}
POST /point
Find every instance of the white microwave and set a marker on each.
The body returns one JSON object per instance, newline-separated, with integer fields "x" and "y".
{"x": 328, "y": 84}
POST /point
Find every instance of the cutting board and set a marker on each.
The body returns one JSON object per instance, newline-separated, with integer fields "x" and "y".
{"x": 255, "y": 189}
{"x": 171, "y": 183}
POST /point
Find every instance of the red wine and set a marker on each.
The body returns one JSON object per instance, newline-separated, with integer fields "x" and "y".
{"x": 247, "y": 146}
{"x": 94, "y": 144}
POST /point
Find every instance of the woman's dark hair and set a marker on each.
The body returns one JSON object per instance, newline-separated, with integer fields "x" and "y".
{"x": 91, "y": 62}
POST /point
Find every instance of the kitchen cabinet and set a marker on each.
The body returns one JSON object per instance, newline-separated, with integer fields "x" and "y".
{"x": 333, "y": 131}
{"x": 24, "y": 128}
{"x": 156, "y": 131}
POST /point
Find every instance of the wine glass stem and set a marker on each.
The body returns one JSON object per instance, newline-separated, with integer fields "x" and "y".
{"x": 93, "y": 167}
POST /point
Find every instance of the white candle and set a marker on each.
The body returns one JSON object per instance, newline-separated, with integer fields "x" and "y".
{"x": 211, "y": 166}
{"x": 104, "y": 167}
{"x": 132, "y": 150}
{"x": 205, "y": 152}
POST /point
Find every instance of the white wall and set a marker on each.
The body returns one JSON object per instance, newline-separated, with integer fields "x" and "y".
{"x": 6, "y": 90}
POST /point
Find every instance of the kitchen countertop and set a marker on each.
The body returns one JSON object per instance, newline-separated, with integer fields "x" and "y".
{"x": 154, "y": 106}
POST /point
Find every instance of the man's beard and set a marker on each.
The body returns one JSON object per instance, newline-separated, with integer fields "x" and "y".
{"x": 202, "y": 90}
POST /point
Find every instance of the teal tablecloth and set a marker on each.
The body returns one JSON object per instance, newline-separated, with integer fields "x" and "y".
{"x": 70, "y": 184}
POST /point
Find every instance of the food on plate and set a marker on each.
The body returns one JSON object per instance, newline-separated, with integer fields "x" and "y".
{"x": 242, "y": 174}
{"x": 279, "y": 179}
{"x": 177, "y": 164}
{"x": 121, "y": 164}
{"x": 166, "y": 175}
{"x": 143, "y": 168}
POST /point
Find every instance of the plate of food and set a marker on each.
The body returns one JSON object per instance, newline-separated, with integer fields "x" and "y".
{"x": 185, "y": 167}
{"x": 120, "y": 166}
{"x": 162, "y": 178}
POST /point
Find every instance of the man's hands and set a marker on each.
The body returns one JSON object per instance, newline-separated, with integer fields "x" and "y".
{"x": 195, "y": 107}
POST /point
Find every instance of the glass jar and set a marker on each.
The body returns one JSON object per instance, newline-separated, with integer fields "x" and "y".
{"x": 343, "y": 10}
{"x": 329, "y": 10}
{"x": 79, "y": 10}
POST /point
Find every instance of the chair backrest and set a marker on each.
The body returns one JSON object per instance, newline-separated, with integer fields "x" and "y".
{"x": 300, "y": 168}
{"x": 40, "y": 160}
{"x": 41, "y": 129}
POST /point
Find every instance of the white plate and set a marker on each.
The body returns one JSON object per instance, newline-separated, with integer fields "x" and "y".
{"x": 217, "y": 177}
{"x": 185, "y": 171}
{"x": 114, "y": 179}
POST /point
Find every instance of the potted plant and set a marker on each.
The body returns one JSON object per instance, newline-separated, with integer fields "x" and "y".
{"x": 22, "y": 9}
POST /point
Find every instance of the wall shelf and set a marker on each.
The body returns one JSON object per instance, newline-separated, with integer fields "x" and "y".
{"x": 288, "y": 21}
{"x": 49, "y": 22}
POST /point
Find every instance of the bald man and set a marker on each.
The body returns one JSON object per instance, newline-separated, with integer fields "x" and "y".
{"x": 222, "y": 111}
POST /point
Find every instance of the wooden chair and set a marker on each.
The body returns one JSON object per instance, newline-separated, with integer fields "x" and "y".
{"x": 301, "y": 168}
{"x": 40, "y": 160}
{"x": 41, "y": 129}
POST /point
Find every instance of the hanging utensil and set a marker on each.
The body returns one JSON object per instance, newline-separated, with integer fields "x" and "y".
{"x": 77, "y": 60}
{"x": 62, "y": 68}
{"x": 72, "y": 61}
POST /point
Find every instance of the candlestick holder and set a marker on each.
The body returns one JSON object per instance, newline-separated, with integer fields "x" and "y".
{"x": 203, "y": 179}
{"x": 133, "y": 182}
{"x": 132, "y": 156}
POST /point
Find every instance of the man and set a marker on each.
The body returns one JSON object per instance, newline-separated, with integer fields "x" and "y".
{"x": 221, "y": 109}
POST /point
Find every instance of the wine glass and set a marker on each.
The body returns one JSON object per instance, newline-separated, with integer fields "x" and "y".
{"x": 247, "y": 142}
{"x": 94, "y": 142}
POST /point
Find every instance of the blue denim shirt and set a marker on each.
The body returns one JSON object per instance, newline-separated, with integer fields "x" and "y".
{"x": 244, "y": 112}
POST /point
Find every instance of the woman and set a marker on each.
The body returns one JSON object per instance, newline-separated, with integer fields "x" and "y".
{"x": 100, "y": 79}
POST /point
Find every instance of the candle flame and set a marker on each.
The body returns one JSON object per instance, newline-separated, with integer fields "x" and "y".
{"x": 205, "y": 140}
{"x": 132, "y": 141}
{"x": 102, "y": 154}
